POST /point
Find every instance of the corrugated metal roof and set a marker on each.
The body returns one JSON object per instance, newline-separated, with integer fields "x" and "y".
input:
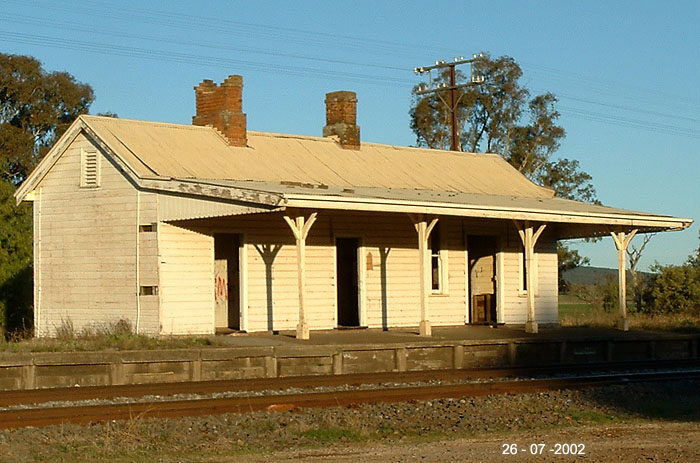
{"x": 303, "y": 171}
{"x": 190, "y": 152}
{"x": 176, "y": 207}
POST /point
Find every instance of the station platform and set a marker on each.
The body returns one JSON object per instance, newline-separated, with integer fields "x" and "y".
{"x": 340, "y": 352}
{"x": 441, "y": 334}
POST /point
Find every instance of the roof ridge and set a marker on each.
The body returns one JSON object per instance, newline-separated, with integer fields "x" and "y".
{"x": 117, "y": 120}
{"x": 260, "y": 133}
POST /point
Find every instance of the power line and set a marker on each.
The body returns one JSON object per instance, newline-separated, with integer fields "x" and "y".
{"x": 83, "y": 28}
{"x": 611, "y": 85}
{"x": 150, "y": 54}
{"x": 78, "y": 27}
{"x": 623, "y": 107}
{"x": 171, "y": 19}
{"x": 395, "y": 82}
{"x": 200, "y": 60}
{"x": 631, "y": 123}
{"x": 211, "y": 24}
{"x": 321, "y": 38}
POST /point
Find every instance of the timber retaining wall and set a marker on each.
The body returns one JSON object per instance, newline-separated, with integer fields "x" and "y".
{"x": 49, "y": 370}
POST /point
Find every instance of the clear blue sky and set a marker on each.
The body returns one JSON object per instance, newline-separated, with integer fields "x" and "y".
{"x": 627, "y": 74}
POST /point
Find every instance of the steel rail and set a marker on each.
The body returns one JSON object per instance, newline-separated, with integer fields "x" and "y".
{"x": 33, "y": 396}
{"x": 200, "y": 407}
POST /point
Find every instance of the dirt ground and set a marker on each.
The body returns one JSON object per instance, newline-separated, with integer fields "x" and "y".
{"x": 659, "y": 442}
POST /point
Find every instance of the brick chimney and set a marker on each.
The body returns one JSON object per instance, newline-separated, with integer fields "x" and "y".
{"x": 341, "y": 119}
{"x": 222, "y": 108}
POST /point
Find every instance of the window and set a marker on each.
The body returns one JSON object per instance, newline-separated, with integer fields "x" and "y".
{"x": 523, "y": 267}
{"x": 438, "y": 262}
{"x": 522, "y": 283}
{"x": 89, "y": 169}
{"x": 148, "y": 291}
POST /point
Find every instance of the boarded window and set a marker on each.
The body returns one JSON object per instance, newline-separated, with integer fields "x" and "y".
{"x": 89, "y": 169}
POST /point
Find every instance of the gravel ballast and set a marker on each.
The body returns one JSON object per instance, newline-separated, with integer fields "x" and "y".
{"x": 243, "y": 437}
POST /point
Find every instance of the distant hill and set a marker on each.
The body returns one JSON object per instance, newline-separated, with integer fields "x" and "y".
{"x": 593, "y": 275}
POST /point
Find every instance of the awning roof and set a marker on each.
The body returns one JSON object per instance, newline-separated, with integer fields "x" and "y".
{"x": 575, "y": 219}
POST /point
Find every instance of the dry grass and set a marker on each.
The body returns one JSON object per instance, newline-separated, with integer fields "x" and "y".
{"x": 584, "y": 315}
{"x": 113, "y": 336}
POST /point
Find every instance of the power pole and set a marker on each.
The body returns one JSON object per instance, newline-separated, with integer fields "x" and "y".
{"x": 436, "y": 88}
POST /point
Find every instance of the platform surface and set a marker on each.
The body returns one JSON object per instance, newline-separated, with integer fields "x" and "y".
{"x": 440, "y": 335}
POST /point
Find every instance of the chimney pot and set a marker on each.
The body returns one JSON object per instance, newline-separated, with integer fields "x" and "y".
{"x": 341, "y": 119}
{"x": 222, "y": 108}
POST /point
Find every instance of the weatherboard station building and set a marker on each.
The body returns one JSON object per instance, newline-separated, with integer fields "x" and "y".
{"x": 190, "y": 229}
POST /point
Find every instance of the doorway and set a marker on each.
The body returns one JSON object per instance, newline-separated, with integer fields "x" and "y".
{"x": 227, "y": 305}
{"x": 482, "y": 278}
{"x": 347, "y": 282}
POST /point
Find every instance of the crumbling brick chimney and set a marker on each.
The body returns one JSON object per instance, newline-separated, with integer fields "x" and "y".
{"x": 222, "y": 108}
{"x": 341, "y": 119}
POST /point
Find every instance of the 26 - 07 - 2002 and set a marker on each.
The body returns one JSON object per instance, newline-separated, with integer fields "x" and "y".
{"x": 539, "y": 449}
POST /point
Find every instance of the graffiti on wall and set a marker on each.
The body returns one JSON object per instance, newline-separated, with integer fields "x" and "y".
{"x": 221, "y": 288}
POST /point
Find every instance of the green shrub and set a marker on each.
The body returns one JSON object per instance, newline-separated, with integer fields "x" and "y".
{"x": 675, "y": 289}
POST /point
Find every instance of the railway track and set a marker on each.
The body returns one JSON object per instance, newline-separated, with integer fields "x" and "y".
{"x": 45, "y": 416}
{"x": 33, "y": 396}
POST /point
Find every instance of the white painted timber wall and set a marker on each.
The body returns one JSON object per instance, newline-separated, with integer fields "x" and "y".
{"x": 546, "y": 288}
{"x": 87, "y": 246}
{"x": 391, "y": 282}
{"x": 149, "y": 305}
{"x": 186, "y": 288}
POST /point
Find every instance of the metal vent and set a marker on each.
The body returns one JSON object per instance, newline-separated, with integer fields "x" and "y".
{"x": 90, "y": 169}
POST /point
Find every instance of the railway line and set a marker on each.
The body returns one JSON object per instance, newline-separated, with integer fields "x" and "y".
{"x": 395, "y": 387}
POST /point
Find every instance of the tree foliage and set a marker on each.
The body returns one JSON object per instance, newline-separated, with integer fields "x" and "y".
{"x": 15, "y": 260}
{"x": 36, "y": 107}
{"x": 499, "y": 117}
{"x": 675, "y": 288}
{"x": 638, "y": 282}
{"x": 568, "y": 259}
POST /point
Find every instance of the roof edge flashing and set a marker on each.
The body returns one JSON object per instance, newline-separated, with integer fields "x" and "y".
{"x": 199, "y": 189}
{"x": 559, "y": 216}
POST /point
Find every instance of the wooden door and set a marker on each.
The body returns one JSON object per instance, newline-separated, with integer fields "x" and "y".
{"x": 226, "y": 281}
{"x": 482, "y": 278}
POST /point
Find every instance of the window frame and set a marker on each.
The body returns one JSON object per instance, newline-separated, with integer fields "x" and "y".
{"x": 522, "y": 275}
{"x": 441, "y": 258}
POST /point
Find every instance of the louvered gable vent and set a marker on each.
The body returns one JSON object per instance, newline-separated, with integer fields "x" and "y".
{"x": 90, "y": 169}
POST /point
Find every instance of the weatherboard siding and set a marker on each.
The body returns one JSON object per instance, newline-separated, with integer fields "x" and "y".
{"x": 186, "y": 290}
{"x": 149, "y": 305}
{"x": 87, "y": 250}
{"x": 546, "y": 288}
